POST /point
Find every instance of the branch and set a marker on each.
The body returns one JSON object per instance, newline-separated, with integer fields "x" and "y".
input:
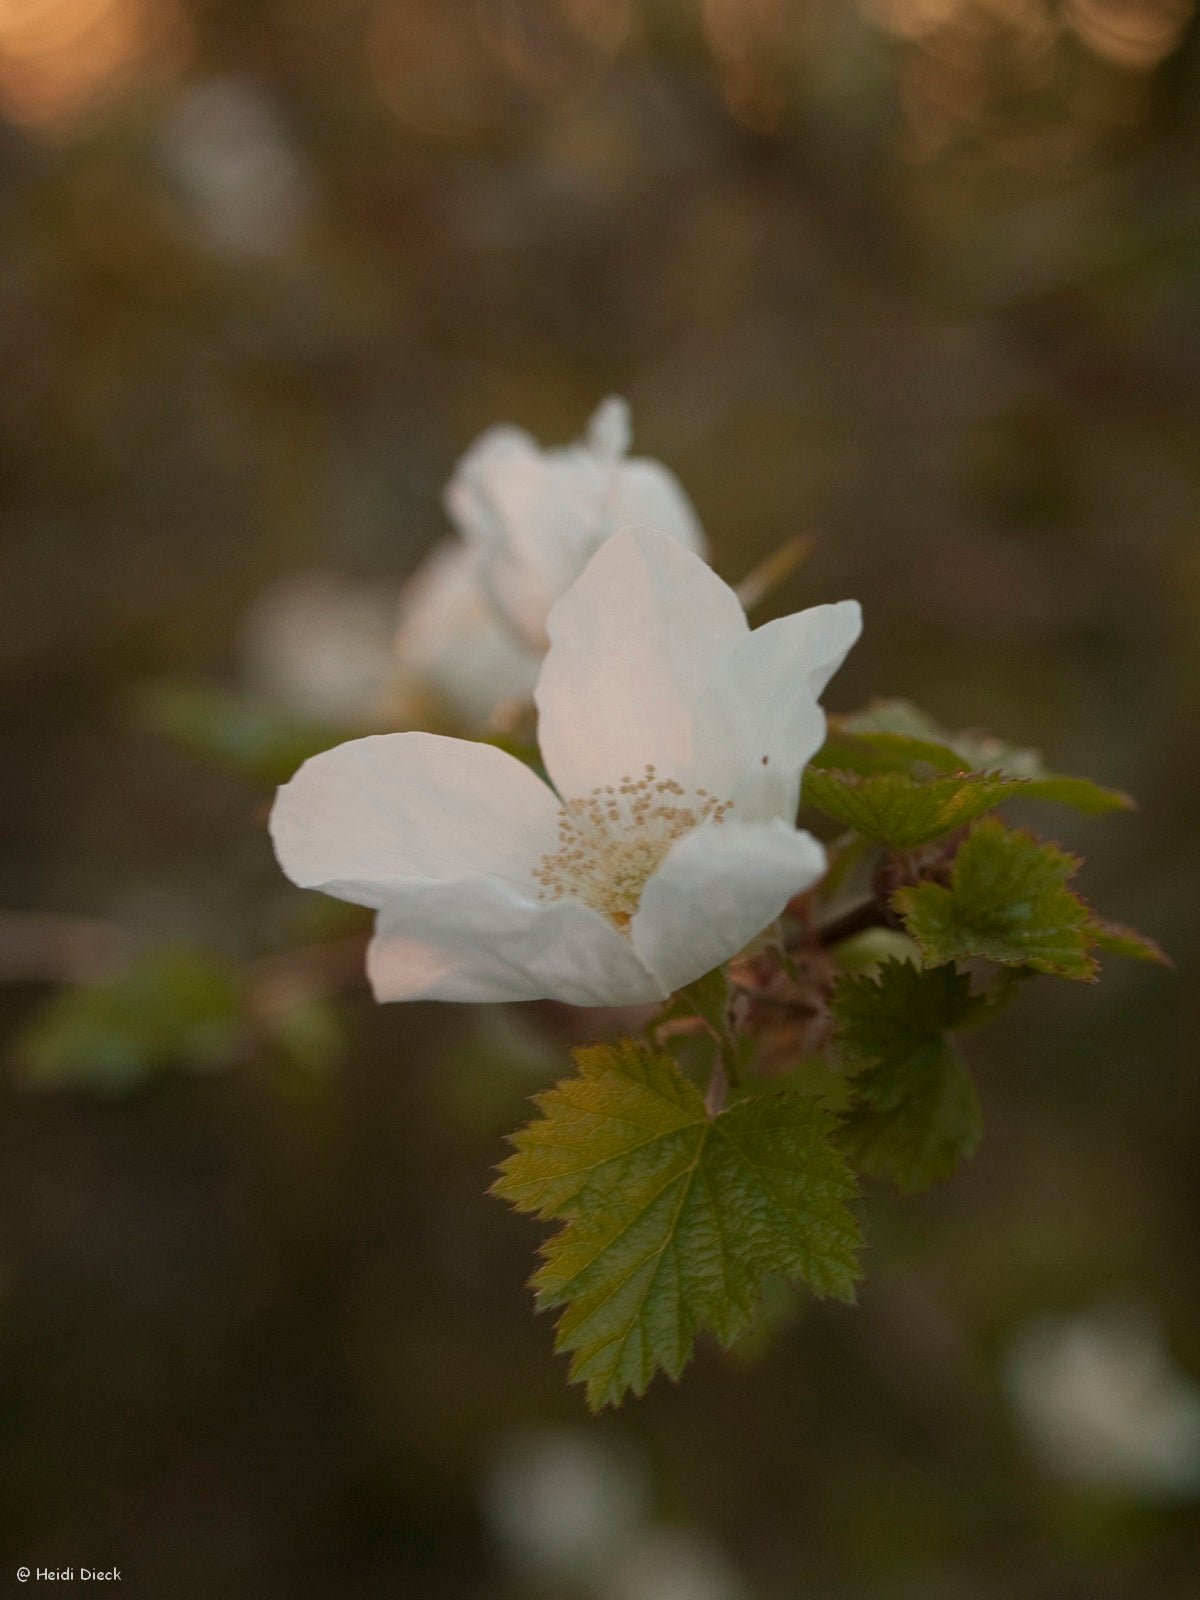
{"x": 873, "y": 913}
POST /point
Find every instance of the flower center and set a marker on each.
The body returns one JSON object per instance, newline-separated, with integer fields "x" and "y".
{"x": 612, "y": 840}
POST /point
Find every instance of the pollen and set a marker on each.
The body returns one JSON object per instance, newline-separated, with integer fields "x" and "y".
{"x": 612, "y": 840}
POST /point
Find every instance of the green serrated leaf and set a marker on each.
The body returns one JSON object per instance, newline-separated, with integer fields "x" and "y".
{"x": 1008, "y": 901}
{"x": 893, "y": 735}
{"x": 917, "y": 1115}
{"x": 1115, "y": 939}
{"x": 897, "y": 716}
{"x": 918, "y": 1119}
{"x": 884, "y": 1015}
{"x": 900, "y": 811}
{"x": 673, "y": 1218}
{"x": 817, "y": 1076}
{"x": 882, "y": 752}
{"x": 900, "y": 719}
{"x": 1080, "y": 794}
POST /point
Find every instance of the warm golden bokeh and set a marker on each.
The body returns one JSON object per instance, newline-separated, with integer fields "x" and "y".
{"x": 1137, "y": 34}
{"x": 60, "y": 57}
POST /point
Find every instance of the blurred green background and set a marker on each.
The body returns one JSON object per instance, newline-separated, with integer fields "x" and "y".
{"x": 919, "y": 278}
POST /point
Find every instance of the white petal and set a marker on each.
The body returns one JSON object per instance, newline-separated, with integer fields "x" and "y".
{"x": 450, "y": 641}
{"x": 822, "y": 637}
{"x": 761, "y": 713}
{"x": 642, "y": 493}
{"x": 632, "y": 644}
{"x": 718, "y": 888}
{"x": 321, "y": 647}
{"x": 538, "y": 516}
{"x": 611, "y": 428}
{"x": 468, "y": 497}
{"x": 649, "y": 496}
{"x": 533, "y": 516}
{"x": 482, "y": 939}
{"x": 358, "y": 820}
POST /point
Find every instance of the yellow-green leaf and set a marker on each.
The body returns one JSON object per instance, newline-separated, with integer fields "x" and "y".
{"x": 894, "y": 736}
{"x": 916, "y": 1115}
{"x": 1007, "y": 901}
{"x": 672, "y": 1218}
{"x": 1115, "y": 939}
{"x": 900, "y": 811}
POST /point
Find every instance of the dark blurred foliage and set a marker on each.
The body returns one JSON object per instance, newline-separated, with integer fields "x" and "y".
{"x": 916, "y": 277}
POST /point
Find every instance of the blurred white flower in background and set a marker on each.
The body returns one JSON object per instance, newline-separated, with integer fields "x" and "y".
{"x": 473, "y": 616}
{"x": 245, "y": 187}
{"x": 1103, "y": 1405}
{"x": 465, "y": 644}
{"x": 560, "y": 1502}
{"x": 452, "y": 649}
{"x": 332, "y": 650}
{"x": 670, "y": 1564}
{"x": 676, "y": 738}
{"x": 567, "y": 1508}
{"x": 321, "y": 647}
{"x": 536, "y": 517}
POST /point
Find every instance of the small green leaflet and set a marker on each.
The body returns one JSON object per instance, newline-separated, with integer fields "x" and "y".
{"x": 1115, "y": 939}
{"x": 1008, "y": 901}
{"x": 893, "y": 736}
{"x": 902, "y": 812}
{"x": 850, "y": 751}
{"x": 917, "y": 1115}
{"x": 1081, "y": 794}
{"x": 672, "y": 1218}
{"x": 901, "y": 1005}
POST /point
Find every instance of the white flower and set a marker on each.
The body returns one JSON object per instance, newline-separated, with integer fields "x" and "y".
{"x": 561, "y": 1501}
{"x": 536, "y": 517}
{"x": 1104, "y": 1405}
{"x": 670, "y": 1564}
{"x": 472, "y": 626}
{"x": 244, "y": 188}
{"x": 676, "y": 738}
{"x": 321, "y": 647}
{"x": 450, "y": 642}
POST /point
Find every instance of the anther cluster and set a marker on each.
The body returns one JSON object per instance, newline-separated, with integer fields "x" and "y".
{"x": 613, "y": 839}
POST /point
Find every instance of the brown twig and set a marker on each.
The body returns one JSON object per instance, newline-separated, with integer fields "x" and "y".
{"x": 718, "y": 1086}
{"x": 771, "y": 572}
{"x": 873, "y": 913}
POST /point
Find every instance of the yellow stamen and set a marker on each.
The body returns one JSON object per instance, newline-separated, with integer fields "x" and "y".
{"x": 613, "y": 839}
